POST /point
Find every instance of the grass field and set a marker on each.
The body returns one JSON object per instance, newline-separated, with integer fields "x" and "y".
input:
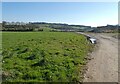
{"x": 43, "y": 56}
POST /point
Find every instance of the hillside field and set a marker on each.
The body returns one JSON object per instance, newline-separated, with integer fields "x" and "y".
{"x": 43, "y": 56}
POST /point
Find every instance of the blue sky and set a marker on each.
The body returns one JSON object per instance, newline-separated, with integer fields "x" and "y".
{"x": 60, "y": 0}
{"x": 81, "y": 13}
{"x": 0, "y": 11}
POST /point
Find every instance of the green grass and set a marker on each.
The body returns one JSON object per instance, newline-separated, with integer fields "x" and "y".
{"x": 43, "y": 56}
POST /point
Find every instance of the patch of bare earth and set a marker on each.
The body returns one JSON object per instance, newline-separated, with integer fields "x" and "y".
{"x": 104, "y": 64}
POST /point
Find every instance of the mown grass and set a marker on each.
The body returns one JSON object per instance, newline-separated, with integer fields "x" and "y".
{"x": 43, "y": 56}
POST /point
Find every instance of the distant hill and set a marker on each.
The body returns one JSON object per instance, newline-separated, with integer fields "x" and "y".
{"x": 108, "y": 28}
{"x": 43, "y": 26}
{"x": 0, "y": 26}
{"x": 40, "y": 26}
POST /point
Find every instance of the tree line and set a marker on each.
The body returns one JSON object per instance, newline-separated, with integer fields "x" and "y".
{"x": 40, "y": 26}
{"x": 15, "y": 26}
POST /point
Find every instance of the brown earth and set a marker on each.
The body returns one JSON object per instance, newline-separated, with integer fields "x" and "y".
{"x": 104, "y": 64}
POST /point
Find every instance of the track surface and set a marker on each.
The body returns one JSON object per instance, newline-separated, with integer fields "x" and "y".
{"x": 104, "y": 64}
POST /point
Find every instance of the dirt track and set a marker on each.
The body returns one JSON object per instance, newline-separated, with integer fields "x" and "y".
{"x": 104, "y": 64}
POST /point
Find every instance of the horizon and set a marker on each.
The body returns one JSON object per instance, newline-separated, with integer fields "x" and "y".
{"x": 81, "y": 13}
{"x": 58, "y": 23}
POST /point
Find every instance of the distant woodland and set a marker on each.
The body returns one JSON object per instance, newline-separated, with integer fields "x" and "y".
{"x": 54, "y": 27}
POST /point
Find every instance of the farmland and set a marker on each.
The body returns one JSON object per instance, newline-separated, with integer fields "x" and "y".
{"x": 43, "y": 56}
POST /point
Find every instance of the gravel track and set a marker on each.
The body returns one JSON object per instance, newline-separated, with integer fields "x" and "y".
{"x": 104, "y": 64}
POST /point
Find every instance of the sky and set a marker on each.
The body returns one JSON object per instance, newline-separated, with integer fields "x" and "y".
{"x": 79, "y": 13}
{"x": 60, "y": 0}
{"x": 0, "y": 12}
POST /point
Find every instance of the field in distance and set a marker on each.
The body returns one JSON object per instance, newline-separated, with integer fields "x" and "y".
{"x": 43, "y": 56}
